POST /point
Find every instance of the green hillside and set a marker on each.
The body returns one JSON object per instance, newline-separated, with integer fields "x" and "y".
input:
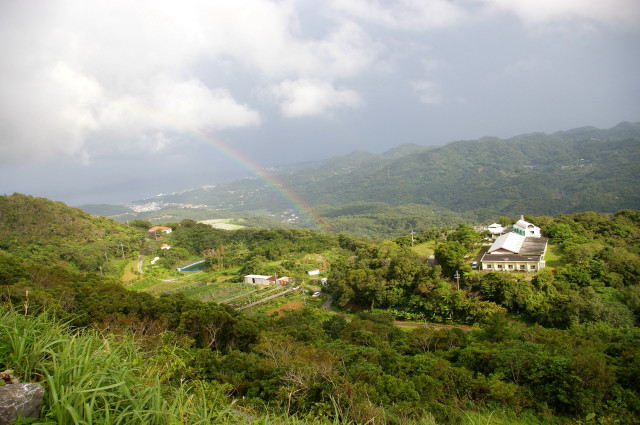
{"x": 49, "y": 232}
{"x": 390, "y": 339}
{"x": 472, "y": 181}
{"x": 583, "y": 169}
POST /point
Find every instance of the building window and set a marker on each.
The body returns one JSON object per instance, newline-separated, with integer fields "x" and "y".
{"x": 499, "y": 266}
{"x": 523, "y": 267}
{"x": 488, "y": 266}
{"x": 533, "y": 267}
{"x": 510, "y": 266}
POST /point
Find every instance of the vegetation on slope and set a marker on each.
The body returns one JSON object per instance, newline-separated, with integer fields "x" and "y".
{"x": 556, "y": 347}
{"x": 586, "y": 169}
{"x": 369, "y": 195}
{"x": 49, "y": 232}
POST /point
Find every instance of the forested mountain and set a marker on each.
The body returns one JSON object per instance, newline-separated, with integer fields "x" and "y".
{"x": 538, "y": 174}
{"x": 48, "y": 232}
{"x": 582, "y": 169}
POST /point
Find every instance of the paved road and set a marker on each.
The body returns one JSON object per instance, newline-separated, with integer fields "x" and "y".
{"x": 327, "y": 304}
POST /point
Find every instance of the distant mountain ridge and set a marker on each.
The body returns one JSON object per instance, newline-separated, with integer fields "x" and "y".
{"x": 536, "y": 174}
{"x": 583, "y": 169}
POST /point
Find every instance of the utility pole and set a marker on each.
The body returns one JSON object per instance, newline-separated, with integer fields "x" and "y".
{"x": 412, "y": 240}
{"x": 122, "y": 248}
{"x": 457, "y": 278}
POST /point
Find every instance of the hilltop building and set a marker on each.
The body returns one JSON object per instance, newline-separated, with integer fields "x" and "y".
{"x": 525, "y": 228}
{"x": 522, "y": 250}
{"x": 495, "y": 229}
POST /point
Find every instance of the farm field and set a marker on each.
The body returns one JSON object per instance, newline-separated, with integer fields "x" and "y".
{"x": 208, "y": 287}
{"x": 223, "y": 223}
{"x": 425, "y": 249}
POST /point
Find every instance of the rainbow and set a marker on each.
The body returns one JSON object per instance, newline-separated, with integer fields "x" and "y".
{"x": 270, "y": 179}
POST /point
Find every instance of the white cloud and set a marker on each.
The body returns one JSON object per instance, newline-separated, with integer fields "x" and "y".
{"x": 435, "y": 14}
{"x": 311, "y": 97}
{"x": 615, "y": 13}
{"x": 126, "y": 73}
{"x": 82, "y": 78}
{"x": 47, "y": 114}
{"x": 430, "y": 65}
{"x": 428, "y": 92}
{"x": 165, "y": 103}
{"x": 404, "y": 14}
{"x": 60, "y": 110}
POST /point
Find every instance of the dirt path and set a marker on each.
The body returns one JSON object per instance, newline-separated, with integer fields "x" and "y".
{"x": 140, "y": 259}
{"x": 431, "y": 325}
{"x": 263, "y": 300}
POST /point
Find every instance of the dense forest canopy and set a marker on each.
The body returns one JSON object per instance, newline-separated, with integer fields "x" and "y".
{"x": 559, "y": 346}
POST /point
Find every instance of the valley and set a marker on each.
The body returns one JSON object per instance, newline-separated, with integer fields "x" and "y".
{"x": 414, "y": 187}
{"x": 402, "y": 330}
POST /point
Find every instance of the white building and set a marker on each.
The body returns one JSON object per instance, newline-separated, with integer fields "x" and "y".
{"x": 525, "y": 228}
{"x": 495, "y": 229}
{"x": 522, "y": 250}
{"x": 257, "y": 279}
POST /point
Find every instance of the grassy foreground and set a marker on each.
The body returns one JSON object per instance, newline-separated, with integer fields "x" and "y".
{"x": 93, "y": 379}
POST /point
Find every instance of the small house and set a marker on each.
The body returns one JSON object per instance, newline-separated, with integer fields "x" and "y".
{"x": 257, "y": 279}
{"x": 162, "y": 229}
{"x": 313, "y": 272}
{"x": 153, "y": 232}
{"x": 495, "y": 229}
{"x": 282, "y": 281}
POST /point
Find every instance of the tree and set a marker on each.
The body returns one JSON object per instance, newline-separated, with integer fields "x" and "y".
{"x": 11, "y": 269}
{"x": 209, "y": 324}
{"x": 450, "y": 256}
{"x": 506, "y": 221}
{"x": 466, "y": 236}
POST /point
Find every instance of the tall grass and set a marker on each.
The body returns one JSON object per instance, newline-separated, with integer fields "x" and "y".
{"x": 89, "y": 379}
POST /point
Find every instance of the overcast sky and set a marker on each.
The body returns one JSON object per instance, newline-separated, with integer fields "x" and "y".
{"x": 99, "y": 100}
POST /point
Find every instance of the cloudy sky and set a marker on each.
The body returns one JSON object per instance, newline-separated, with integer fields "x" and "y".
{"x": 109, "y": 101}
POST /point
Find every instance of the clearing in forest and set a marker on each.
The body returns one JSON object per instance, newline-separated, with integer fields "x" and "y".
{"x": 222, "y": 223}
{"x": 293, "y": 305}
